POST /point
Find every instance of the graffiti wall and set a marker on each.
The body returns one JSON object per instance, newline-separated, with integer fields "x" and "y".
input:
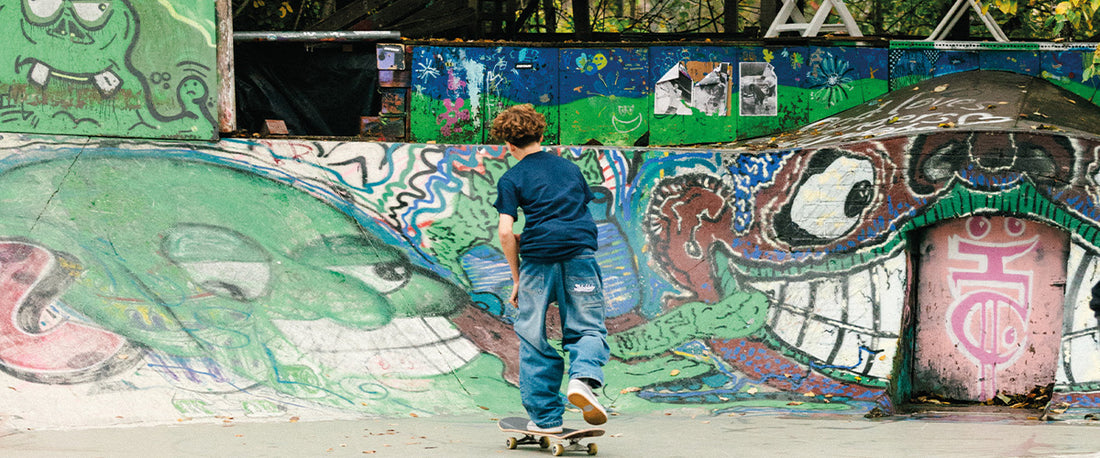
{"x": 117, "y": 68}
{"x": 659, "y": 95}
{"x": 642, "y": 95}
{"x": 167, "y": 282}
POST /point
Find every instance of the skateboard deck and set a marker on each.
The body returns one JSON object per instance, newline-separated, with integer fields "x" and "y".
{"x": 567, "y": 440}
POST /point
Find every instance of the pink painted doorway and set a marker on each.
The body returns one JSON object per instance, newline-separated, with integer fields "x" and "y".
{"x": 988, "y": 307}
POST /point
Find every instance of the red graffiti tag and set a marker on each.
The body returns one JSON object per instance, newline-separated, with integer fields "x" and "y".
{"x": 687, "y": 215}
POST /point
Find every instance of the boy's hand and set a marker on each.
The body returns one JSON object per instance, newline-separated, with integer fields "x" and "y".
{"x": 514, "y": 297}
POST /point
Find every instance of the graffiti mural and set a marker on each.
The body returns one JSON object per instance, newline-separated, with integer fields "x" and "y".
{"x": 457, "y": 91}
{"x": 604, "y": 95}
{"x": 273, "y": 278}
{"x": 121, "y": 68}
{"x": 1065, "y": 64}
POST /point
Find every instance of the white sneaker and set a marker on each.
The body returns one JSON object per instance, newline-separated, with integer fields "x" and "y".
{"x": 531, "y": 426}
{"x": 581, "y": 395}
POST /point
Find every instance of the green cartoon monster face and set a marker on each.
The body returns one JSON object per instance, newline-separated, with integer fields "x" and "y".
{"x": 198, "y": 260}
{"x": 100, "y": 31}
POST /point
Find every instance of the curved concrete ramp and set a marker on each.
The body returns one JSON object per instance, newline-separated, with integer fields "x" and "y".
{"x": 162, "y": 282}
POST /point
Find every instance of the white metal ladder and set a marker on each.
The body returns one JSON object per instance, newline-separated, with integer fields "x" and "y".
{"x": 817, "y": 24}
{"x": 957, "y": 11}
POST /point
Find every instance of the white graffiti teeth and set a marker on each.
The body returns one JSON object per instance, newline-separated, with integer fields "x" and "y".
{"x": 410, "y": 347}
{"x": 848, "y": 321}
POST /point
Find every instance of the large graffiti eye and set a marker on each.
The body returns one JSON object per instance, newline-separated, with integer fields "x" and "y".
{"x": 92, "y": 13}
{"x": 828, "y": 203}
{"x": 384, "y": 277}
{"x": 220, "y": 260}
{"x": 42, "y": 10}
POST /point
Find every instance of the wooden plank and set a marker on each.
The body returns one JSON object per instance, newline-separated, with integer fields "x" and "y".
{"x": 420, "y": 25}
{"x": 344, "y": 17}
{"x": 227, "y": 93}
{"x": 388, "y": 16}
{"x": 441, "y": 15}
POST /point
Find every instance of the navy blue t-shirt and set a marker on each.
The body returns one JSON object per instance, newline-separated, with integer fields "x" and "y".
{"x": 554, "y": 198}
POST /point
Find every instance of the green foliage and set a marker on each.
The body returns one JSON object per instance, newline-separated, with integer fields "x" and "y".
{"x": 1020, "y": 19}
{"x": 276, "y": 15}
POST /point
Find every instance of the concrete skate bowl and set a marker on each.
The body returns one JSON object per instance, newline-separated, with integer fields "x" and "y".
{"x": 153, "y": 282}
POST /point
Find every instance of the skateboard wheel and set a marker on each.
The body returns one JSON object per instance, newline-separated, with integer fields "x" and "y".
{"x": 593, "y": 449}
{"x": 558, "y": 449}
{"x": 511, "y": 443}
{"x": 544, "y": 442}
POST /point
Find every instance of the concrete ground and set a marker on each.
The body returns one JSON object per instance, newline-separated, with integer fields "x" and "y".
{"x": 669, "y": 434}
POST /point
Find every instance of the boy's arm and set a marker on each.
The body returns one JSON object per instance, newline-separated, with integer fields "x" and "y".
{"x": 509, "y": 242}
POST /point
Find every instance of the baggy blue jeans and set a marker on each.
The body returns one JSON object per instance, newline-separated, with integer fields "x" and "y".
{"x": 577, "y": 286}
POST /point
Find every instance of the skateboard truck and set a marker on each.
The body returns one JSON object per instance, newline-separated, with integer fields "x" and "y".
{"x": 559, "y": 443}
{"x": 574, "y": 444}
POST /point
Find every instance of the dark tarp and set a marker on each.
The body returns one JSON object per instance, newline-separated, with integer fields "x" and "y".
{"x": 321, "y": 91}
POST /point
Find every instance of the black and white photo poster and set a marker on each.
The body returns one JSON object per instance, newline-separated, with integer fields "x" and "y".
{"x": 758, "y": 84}
{"x": 672, "y": 94}
{"x": 711, "y": 94}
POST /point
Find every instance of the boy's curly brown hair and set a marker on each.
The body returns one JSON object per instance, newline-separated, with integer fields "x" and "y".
{"x": 519, "y": 125}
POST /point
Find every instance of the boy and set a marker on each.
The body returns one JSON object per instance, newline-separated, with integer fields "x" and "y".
{"x": 558, "y": 264}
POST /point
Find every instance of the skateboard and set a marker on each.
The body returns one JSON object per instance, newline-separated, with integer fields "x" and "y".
{"x": 568, "y": 439}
